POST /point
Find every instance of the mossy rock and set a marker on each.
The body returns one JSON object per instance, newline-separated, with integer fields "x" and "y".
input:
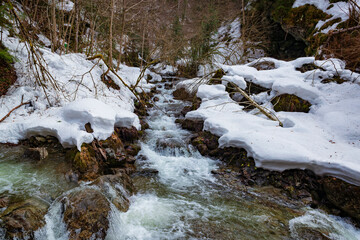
{"x": 113, "y": 142}
{"x": 290, "y": 103}
{"x": 315, "y": 42}
{"x": 301, "y": 21}
{"x": 330, "y": 23}
{"x": 85, "y": 163}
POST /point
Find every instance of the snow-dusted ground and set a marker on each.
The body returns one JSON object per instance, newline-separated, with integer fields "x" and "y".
{"x": 81, "y": 98}
{"x": 325, "y": 140}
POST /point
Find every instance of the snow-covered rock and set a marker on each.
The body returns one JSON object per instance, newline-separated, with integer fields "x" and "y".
{"x": 325, "y": 140}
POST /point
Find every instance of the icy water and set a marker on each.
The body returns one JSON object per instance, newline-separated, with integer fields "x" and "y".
{"x": 177, "y": 196}
{"x": 23, "y": 177}
{"x": 185, "y": 201}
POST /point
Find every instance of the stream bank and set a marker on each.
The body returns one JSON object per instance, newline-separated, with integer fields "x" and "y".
{"x": 167, "y": 191}
{"x": 329, "y": 193}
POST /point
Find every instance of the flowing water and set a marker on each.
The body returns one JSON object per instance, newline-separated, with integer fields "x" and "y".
{"x": 185, "y": 201}
{"x": 177, "y": 196}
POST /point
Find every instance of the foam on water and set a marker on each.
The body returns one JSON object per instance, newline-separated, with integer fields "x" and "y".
{"x": 332, "y": 227}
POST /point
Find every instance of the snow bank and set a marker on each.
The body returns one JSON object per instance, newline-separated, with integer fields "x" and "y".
{"x": 325, "y": 140}
{"x": 81, "y": 98}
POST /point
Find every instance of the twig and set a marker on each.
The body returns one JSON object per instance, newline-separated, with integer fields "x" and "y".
{"x": 7, "y": 115}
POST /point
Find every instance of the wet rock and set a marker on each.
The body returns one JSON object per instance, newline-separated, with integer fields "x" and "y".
{"x": 182, "y": 94}
{"x": 168, "y": 86}
{"x": 344, "y": 196}
{"x": 86, "y": 214}
{"x": 290, "y": 103}
{"x": 263, "y": 65}
{"x": 144, "y": 125}
{"x": 22, "y": 219}
{"x": 38, "y": 153}
{"x": 85, "y": 163}
{"x": 185, "y": 110}
{"x": 71, "y": 176}
{"x": 133, "y": 149}
{"x": 195, "y": 125}
{"x": 116, "y": 161}
{"x": 127, "y": 134}
{"x": 117, "y": 189}
{"x": 147, "y": 172}
{"x": 4, "y": 201}
{"x": 163, "y": 143}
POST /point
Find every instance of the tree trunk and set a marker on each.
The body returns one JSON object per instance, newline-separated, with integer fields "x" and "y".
{"x": 111, "y": 33}
{"x": 53, "y": 23}
{"x": 121, "y": 36}
{"x": 77, "y": 23}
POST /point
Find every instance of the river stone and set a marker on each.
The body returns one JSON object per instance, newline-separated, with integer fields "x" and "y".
{"x": 21, "y": 219}
{"x": 343, "y": 195}
{"x": 38, "y": 153}
{"x": 86, "y": 214}
{"x": 163, "y": 143}
{"x": 117, "y": 188}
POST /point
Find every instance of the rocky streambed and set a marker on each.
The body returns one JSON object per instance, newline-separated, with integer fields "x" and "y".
{"x": 171, "y": 184}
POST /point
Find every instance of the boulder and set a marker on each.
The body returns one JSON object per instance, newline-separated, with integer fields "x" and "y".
{"x": 117, "y": 189}
{"x": 343, "y": 195}
{"x": 86, "y": 214}
{"x": 22, "y": 218}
